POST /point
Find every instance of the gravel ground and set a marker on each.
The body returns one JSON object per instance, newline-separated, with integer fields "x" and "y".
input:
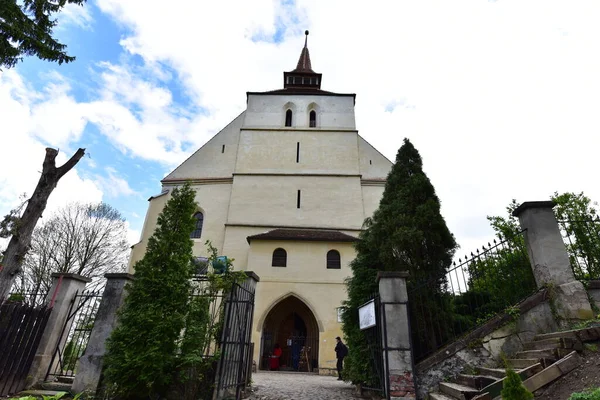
{"x": 298, "y": 386}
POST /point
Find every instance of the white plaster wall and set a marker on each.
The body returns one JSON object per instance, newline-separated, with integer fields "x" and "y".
{"x": 212, "y": 201}
{"x": 373, "y": 164}
{"x": 321, "y": 152}
{"x": 210, "y": 161}
{"x": 333, "y": 112}
{"x": 371, "y": 198}
{"x": 327, "y": 202}
{"x": 306, "y": 261}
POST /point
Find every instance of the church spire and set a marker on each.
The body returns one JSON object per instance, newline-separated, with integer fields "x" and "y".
{"x": 304, "y": 61}
{"x": 303, "y": 76}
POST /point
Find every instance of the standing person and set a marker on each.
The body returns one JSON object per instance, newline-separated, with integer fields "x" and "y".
{"x": 275, "y": 358}
{"x": 341, "y": 351}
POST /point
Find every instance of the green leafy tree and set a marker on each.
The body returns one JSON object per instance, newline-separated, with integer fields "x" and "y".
{"x": 581, "y": 225}
{"x": 513, "y": 388}
{"x": 26, "y": 30}
{"x": 142, "y": 350}
{"x": 406, "y": 233}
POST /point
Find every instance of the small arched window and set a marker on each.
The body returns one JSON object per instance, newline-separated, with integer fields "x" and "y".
{"x": 313, "y": 119}
{"x": 333, "y": 260}
{"x": 197, "y": 232}
{"x": 288, "y": 118}
{"x": 279, "y": 258}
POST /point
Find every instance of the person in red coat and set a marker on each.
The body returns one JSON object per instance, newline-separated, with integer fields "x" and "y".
{"x": 275, "y": 358}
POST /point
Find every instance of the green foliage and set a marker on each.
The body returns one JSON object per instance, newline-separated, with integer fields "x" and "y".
{"x": 406, "y": 233}
{"x": 142, "y": 350}
{"x": 26, "y": 30}
{"x": 582, "y": 227}
{"x": 513, "y": 388}
{"x": 591, "y": 394}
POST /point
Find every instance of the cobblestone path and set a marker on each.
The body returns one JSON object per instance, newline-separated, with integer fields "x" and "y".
{"x": 298, "y": 386}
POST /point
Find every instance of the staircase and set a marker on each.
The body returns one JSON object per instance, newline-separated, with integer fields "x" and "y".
{"x": 50, "y": 388}
{"x": 542, "y": 361}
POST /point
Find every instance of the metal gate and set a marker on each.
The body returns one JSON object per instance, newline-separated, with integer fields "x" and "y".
{"x": 75, "y": 334}
{"x": 21, "y": 328}
{"x": 377, "y": 381}
{"x": 236, "y": 348}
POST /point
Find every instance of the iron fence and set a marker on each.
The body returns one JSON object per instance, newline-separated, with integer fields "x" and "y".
{"x": 33, "y": 299}
{"x": 75, "y": 334}
{"x": 474, "y": 290}
{"x": 582, "y": 240}
{"x": 21, "y": 328}
{"x": 235, "y": 343}
{"x": 374, "y": 337}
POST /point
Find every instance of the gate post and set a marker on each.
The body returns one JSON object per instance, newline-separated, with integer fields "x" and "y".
{"x": 395, "y": 329}
{"x": 59, "y": 298}
{"x": 89, "y": 369}
{"x": 550, "y": 261}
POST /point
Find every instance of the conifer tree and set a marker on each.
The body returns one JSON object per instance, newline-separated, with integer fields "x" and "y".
{"x": 141, "y": 352}
{"x": 513, "y": 389}
{"x": 406, "y": 233}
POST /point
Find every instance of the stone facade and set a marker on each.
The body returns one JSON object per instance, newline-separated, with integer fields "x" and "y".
{"x": 257, "y": 175}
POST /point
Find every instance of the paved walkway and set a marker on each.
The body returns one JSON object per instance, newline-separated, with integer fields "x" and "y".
{"x": 298, "y": 386}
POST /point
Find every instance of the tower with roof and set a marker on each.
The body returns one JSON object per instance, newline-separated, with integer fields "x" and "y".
{"x": 284, "y": 189}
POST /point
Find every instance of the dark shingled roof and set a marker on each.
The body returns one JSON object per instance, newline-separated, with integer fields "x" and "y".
{"x": 313, "y": 235}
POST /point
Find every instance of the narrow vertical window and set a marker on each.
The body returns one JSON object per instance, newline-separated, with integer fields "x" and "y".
{"x": 313, "y": 119}
{"x": 288, "y": 118}
{"x": 298, "y": 152}
{"x": 334, "y": 260}
{"x": 279, "y": 258}
{"x": 223, "y": 149}
{"x": 370, "y": 162}
{"x": 298, "y": 200}
{"x": 197, "y": 232}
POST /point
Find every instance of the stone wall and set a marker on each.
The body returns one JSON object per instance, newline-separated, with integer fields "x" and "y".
{"x": 485, "y": 346}
{"x": 594, "y": 292}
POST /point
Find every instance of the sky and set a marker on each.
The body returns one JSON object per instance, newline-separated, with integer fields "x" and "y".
{"x": 501, "y": 98}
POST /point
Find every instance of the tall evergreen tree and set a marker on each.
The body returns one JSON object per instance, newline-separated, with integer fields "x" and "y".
{"x": 141, "y": 352}
{"x": 406, "y": 233}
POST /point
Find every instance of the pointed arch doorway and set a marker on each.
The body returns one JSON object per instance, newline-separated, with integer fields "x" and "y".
{"x": 291, "y": 325}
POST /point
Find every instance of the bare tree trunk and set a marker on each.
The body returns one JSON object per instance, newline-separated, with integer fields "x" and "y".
{"x": 21, "y": 238}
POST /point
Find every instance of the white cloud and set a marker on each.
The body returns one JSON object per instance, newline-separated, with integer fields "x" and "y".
{"x": 114, "y": 185}
{"x": 73, "y": 14}
{"x": 23, "y": 153}
{"x": 499, "y": 97}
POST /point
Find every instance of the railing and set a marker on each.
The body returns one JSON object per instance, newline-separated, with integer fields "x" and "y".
{"x": 479, "y": 286}
{"x": 21, "y": 328}
{"x": 374, "y": 336}
{"x": 33, "y": 299}
{"x": 582, "y": 240}
{"x": 75, "y": 334}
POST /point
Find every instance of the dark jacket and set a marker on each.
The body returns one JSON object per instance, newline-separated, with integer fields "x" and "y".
{"x": 341, "y": 350}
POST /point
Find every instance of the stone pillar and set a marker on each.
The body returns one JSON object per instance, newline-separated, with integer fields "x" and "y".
{"x": 397, "y": 352}
{"x": 550, "y": 260}
{"x": 89, "y": 368}
{"x": 64, "y": 288}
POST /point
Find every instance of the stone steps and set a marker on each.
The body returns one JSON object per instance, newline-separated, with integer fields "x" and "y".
{"x": 475, "y": 381}
{"x": 458, "y": 391}
{"x": 439, "y": 396}
{"x": 521, "y": 363}
{"x": 553, "y": 372}
{"x": 57, "y": 386}
{"x": 554, "y": 343}
{"x": 495, "y": 372}
{"x": 583, "y": 335}
{"x": 537, "y": 354}
{"x": 495, "y": 388}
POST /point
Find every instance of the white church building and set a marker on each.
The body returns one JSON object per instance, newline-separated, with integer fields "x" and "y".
{"x": 284, "y": 189}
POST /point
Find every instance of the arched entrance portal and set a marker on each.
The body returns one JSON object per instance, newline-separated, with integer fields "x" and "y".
{"x": 292, "y": 326}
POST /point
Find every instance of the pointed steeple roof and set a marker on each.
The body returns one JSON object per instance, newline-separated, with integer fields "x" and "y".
{"x": 303, "y": 76}
{"x": 304, "y": 61}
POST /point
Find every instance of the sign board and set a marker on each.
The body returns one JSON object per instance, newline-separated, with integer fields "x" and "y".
{"x": 366, "y": 315}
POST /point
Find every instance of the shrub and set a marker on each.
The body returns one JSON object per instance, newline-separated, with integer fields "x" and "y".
{"x": 513, "y": 388}
{"x": 591, "y": 394}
